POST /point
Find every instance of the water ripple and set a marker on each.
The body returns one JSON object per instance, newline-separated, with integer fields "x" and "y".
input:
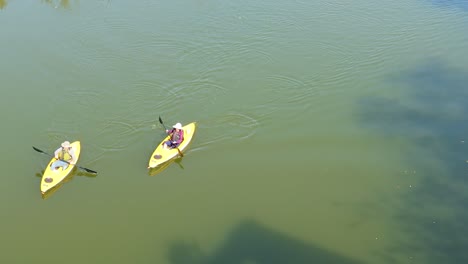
{"x": 290, "y": 92}
{"x": 233, "y": 126}
{"x": 120, "y": 131}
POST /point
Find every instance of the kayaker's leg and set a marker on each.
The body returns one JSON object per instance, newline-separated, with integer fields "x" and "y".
{"x": 174, "y": 145}
{"x": 166, "y": 144}
{"x": 59, "y": 164}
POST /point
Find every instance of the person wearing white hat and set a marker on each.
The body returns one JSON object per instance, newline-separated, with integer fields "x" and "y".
{"x": 176, "y": 136}
{"x": 62, "y": 154}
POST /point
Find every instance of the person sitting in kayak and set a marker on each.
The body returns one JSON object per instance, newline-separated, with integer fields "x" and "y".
{"x": 62, "y": 154}
{"x": 176, "y": 136}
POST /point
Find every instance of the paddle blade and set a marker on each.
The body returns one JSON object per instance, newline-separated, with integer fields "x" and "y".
{"x": 88, "y": 170}
{"x": 160, "y": 121}
{"x": 38, "y": 150}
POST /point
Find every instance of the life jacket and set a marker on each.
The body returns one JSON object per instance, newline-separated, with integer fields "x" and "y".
{"x": 177, "y": 136}
{"x": 64, "y": 155}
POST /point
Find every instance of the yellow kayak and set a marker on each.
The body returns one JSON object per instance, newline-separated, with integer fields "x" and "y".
{"x": 161, "y": 155}
{"x": 51, "y": 178}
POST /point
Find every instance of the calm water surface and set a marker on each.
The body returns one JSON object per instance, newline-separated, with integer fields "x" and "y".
{"x": 328, "y": 131}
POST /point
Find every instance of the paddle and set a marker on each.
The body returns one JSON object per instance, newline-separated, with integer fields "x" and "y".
{"x": 86, "y": 169}
{"x": 180, "y": 152}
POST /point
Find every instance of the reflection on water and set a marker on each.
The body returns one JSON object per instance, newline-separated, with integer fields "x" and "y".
{"x": 75, "y": 172}
{"x": 65, "y": 4}
{"x": 463, "y": 4}
{"x": 433, "y": 115}
{"x": 164, "y": 166}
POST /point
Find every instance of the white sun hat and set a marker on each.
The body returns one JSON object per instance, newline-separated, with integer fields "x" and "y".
{"x": 178, "y": 126}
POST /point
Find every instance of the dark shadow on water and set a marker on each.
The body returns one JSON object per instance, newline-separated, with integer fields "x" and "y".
{"x": 250, "y": 242}
{"x": 463, "y": 4}
{"x": 433, "y": 114}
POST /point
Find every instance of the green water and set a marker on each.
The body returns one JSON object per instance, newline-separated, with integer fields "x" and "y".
{"x": 328, "y": 131}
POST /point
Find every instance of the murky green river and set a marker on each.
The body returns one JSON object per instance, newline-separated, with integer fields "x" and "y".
{"x": 328, "y": 131}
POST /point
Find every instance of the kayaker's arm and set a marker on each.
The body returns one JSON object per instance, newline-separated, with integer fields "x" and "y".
{"x": 73, "y": 156}
{"x": 57, "y": 152}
